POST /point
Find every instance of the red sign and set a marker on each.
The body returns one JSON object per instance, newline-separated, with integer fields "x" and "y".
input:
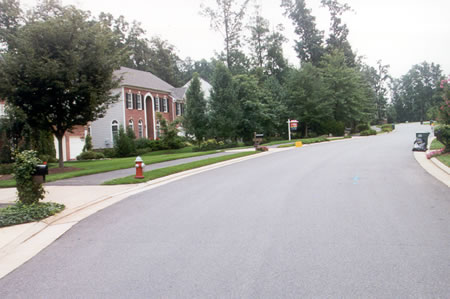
{"x": 294, "y": 125}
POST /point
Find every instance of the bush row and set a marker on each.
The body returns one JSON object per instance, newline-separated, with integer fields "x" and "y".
{"x": 368, "y": 132}
{"x": 212, "y": 144}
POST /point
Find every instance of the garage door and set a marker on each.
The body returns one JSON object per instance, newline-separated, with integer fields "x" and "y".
{"x": 76, "y": 147}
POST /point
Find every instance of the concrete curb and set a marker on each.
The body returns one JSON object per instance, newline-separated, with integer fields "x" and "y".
{"x": 36, "y": 236}
{"x": 441, "y": 165}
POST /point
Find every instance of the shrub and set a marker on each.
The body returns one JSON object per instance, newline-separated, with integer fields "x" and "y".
{"x": 442, "y": 134}
{"x": 212, "y": 144}
{"x": 91, "y": 155}
{"x": 142, "y": 143}
{"x": 337, "y": 128}
{"x": 262, "y": 148}
{"x": 362, "y": 127}
{"x": 124, "y": 144}
{"x": 368, "y": 132}
{"x": 28, "y": 191}
{"x": 88, "y": 144}
{"x": 109, "y": 152}
{"x": 20, "y": 213}
{"x": 143, "y": 151}
{"x": 6, "y": 168}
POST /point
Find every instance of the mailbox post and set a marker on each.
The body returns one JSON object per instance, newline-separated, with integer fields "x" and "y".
{"x": 257, "y": 139}
{"x": 139, "y": 168}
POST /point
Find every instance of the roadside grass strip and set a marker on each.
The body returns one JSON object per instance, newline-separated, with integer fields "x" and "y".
{"x": 445, "y": 159}
{"x": 304, "y": 141}
{"x": 100, "y": 166}
{"x": 436, "y": 145}
{"x": 162, "y": 172}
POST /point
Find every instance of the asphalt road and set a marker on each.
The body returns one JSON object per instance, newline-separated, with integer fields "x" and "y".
{"x": 349, "y": 219}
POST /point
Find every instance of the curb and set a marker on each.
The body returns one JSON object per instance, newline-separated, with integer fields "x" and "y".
{"x": 441, "y": 165}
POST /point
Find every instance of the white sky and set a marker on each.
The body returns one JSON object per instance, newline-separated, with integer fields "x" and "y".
{"x": 399, "y": 32}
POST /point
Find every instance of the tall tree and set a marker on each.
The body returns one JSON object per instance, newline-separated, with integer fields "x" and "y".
{"x": 379, "y": 80}
{"x": 164, "y": 62}
{"x": 227, "y": 18}
{"x": 347, "y": 89}
{"x": 10, "y": 20}
{"x": 60, "y": 72}
{"x": 309, "y": 46}
{"x": 195, "y": 119}
{"x": 338, "y": 30}
{"x": 307, "y": 98}
{"x": 418, "y": 91}
{"x": 225, "y": 113}
{"x": 254, "y": 113}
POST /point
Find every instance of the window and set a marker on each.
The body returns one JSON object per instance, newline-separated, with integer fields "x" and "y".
{"x": 2, "y": 110}
{"x": 158, "y": 129}
{"x": 178, "y": 109}
{"x": 157, "y": 104}
{"x": 129, "y": 101}
{"x": 139, "y": 102}
{"x": 131, "y": 124}
{"x": 181, "y": 109}
{"x": 140, "y": 129}
{"x": 165, "y": 105}
{"x": 114, "y": 129}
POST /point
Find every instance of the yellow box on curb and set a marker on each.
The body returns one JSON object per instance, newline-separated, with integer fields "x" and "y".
{"x": 298, "y": 144}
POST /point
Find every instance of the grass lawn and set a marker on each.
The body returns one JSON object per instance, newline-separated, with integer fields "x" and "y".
{"x": 304, "y": 141}
{"x": 99, "y": 166}
{"x": 158, "y": 173}
{"x": 445, "y": 159}
{"x": 435, "y": 145}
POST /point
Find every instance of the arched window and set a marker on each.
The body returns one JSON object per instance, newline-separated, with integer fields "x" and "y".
{"x": 131, "y": 124}
{"x": 114, "y": 129}
{"x": 140, "y": 129}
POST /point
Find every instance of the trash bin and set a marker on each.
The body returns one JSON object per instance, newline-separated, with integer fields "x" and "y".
{"x": 421, "y": 142}
{"x": 393, "y": 126}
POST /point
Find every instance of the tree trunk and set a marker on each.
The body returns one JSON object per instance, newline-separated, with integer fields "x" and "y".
{"x": 60, "y": 150}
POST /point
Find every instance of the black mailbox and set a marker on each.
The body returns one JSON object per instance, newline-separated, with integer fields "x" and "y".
{"x": 39, "y": 173}
{"x": 259, "y": 135}
{"x": 41, "y": 170}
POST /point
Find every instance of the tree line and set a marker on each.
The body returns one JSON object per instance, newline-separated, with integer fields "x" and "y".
{"x": 54, "y": 82}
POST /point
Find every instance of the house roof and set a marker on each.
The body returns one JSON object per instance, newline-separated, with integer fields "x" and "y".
{"x": 142, "y": 79}
{"x": 179, "y": 93}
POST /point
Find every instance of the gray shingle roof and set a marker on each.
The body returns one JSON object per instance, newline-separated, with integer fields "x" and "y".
{"x": 142, "y": 79}
{"x": 179, "y": 93}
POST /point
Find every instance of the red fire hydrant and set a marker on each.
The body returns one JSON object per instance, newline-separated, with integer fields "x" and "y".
{"x": 139, "y": 168}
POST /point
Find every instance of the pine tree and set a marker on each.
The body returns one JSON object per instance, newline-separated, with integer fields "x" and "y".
{"x": 195, "y": 120}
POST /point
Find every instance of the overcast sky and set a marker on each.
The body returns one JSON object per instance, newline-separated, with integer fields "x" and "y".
{"x": 399, "y": 32}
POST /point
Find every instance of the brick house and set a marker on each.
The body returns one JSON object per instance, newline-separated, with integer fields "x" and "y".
{"x": 141, "y": 96}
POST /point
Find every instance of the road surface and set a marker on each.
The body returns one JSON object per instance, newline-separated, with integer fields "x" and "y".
{"x": 355, "y": 218}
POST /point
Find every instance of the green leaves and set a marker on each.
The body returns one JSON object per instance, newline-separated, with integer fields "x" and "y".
{"x": 20, "y": 213}
{"x": 28, "y": 191}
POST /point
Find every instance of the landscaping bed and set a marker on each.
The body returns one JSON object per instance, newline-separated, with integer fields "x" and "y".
{"x": 20, "y": 213}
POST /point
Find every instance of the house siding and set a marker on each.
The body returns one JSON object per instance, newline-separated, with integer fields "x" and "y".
{"x": 101, "y": 128}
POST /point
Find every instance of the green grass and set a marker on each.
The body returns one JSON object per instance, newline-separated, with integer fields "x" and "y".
{"x": 435, "y": 145}
{"x": 99, "y": 166}
{"x": 20, "y": 213}
{"x": 304, "y": 141}
{"x": 158, "y": 173}
{"x": 445, "y": 159}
